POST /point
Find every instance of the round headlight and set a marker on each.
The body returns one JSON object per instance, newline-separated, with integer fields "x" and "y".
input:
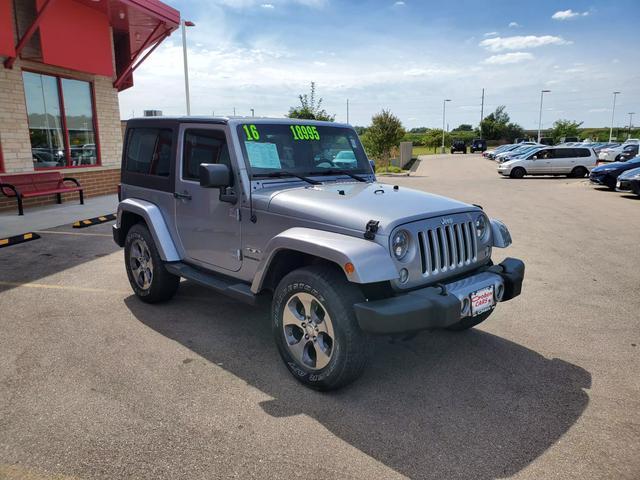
{"x": 481, "y": 226}
{"x": 400, "y": 244}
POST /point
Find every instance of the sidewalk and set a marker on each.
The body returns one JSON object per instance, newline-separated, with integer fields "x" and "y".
{"x": 41, "y": 218}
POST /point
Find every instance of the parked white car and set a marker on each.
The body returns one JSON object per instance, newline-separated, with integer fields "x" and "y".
{"x": 610, "y": 154}
{"x": 571, "y": 161}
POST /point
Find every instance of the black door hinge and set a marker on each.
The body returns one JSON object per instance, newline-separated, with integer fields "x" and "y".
{"x": 371, "y": 229}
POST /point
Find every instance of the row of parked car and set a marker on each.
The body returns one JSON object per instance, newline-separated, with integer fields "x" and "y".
{"x": 573, "y": 159}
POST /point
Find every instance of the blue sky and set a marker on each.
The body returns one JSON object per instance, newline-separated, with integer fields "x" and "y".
{"x": 406, "y": 56}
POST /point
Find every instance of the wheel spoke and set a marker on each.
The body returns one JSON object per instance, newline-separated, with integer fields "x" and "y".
{"x": 322, "y": 356}
{"x": 305, "y": 301}
{"x": 290, "y": 316}
{"x": 322, "y": 321}
{"x": 298, "y": 350}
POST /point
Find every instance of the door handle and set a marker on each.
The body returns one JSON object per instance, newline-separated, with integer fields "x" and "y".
{"x": 184, "y": 196}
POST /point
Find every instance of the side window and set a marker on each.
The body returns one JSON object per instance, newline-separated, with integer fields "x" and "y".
{"x": 203, "y": 146}
{"x": 149, "y": 151}
{"x": 563, "y": 153}
{"x": 544, "y": 154}
{"x": 582, "y": 152}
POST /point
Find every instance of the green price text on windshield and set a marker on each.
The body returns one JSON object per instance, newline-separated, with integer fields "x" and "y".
{"x": 251, "y": 132}
{"x": 304, "y": 132}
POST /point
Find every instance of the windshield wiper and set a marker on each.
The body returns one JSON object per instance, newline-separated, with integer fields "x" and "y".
{"x": 334, "y": 171}
{"x": 283, "y": 173}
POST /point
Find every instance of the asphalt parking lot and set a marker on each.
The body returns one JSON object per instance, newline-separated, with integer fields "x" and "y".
{"x": 95, "y": 384}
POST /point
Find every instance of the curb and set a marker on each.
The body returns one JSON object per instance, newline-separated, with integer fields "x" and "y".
{"x": 16, "y": 239}
{"x": 94, "y": 221}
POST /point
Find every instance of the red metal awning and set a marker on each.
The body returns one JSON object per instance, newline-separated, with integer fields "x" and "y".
{"x": 7, "y": 48}
{"x": 78, "y": 34}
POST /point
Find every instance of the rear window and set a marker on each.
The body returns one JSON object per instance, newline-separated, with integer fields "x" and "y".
{"x": 149, "y": 151}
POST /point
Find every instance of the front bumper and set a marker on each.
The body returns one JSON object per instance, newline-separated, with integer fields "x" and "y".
{"x": 626, "y": 186}
{"x": 437, "y": 307}
{"x": 603, "y": 179}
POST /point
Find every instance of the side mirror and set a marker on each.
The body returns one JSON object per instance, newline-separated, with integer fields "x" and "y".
{"x": 373, "y": 165}
{"x": 215, "y": 175}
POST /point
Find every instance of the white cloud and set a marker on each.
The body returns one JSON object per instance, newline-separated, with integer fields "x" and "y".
{"x": 520, "y": 42}
{"x": 568, "y": 14}
{"x": 514, "y": 25}
{"x": 507, "y": 58}
{"x": 490, "y": 34}
{"x": 399, "y": 4}
{"x": 268, "y": 6}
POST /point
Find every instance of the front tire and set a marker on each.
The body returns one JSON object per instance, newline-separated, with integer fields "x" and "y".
{"x": 579, "y": 172}
{"x": 316, "y": 330}
{"x": 149, "y": 279}
{"x": 517, "y": 172}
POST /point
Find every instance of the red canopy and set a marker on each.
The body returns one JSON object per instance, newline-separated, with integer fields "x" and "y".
{"x": 78, "y": 34}
{"x": 7, "y": 47}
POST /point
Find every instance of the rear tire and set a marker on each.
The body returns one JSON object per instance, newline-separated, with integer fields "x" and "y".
{"x": 579, "y": 172}
{"x": 469, "y": 322}
{"x": 149, "y": 279}
{"x": 518, "y": 172}
{"x": 316, "y": 330}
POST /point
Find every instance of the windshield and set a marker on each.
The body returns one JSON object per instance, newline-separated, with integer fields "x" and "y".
{"x": 301, "y": 149}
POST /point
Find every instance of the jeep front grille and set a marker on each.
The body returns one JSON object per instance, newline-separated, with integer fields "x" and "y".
{"x": 445, "y": 248}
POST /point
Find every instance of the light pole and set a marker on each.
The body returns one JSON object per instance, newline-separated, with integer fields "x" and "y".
{"x": 542, "y": 92}
{"x": 631, "y": 114}
{"x": 184, "y": 24}
{"x": 613, "y": 112}
{"x": 253, "y": 113}
{"x": 444, "y": 109}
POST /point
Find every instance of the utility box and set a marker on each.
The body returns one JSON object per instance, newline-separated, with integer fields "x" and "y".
{"x": 406, "y": 151}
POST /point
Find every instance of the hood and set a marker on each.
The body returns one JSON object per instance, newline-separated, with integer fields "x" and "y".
{"x": 357, "y": 204}
{"x": 609, "y": 166}
{"x": 630, "y": 173}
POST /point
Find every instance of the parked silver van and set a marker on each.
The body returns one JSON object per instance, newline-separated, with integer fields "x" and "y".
{"x": 571, "y": 161}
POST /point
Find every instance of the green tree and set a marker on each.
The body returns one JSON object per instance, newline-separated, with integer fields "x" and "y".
{"x": 385, "y": 132}
{"x": 310, "y": 108}
{"x": 465, "y": 127}
{"x": 564, "y": 128}
{"x": 497, "y": 126}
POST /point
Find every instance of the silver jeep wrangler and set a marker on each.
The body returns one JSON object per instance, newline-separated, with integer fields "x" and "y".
{"x": 291, "y": 212}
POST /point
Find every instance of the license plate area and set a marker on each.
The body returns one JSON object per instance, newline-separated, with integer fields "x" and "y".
{"x": 482, "y": 300}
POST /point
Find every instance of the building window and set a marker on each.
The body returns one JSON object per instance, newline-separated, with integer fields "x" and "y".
{"x": 61, "y": 119}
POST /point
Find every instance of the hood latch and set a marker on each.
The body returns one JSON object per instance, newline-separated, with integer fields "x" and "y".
{"x": 371, "y": 229}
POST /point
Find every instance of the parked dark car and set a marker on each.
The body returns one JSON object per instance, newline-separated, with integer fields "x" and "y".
{"x": 628, "y": 153}
{"x": 458, "y": 146}
{"x": 548, "y": 141}
{"x": 629, "y": 181}
{"x": 607, "y": 175}
{"x": 478, "y": 145}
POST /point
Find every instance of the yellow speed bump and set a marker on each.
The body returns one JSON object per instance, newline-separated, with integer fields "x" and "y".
{"x": 25, "y": 237}
{"x": 94, "y": 221}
